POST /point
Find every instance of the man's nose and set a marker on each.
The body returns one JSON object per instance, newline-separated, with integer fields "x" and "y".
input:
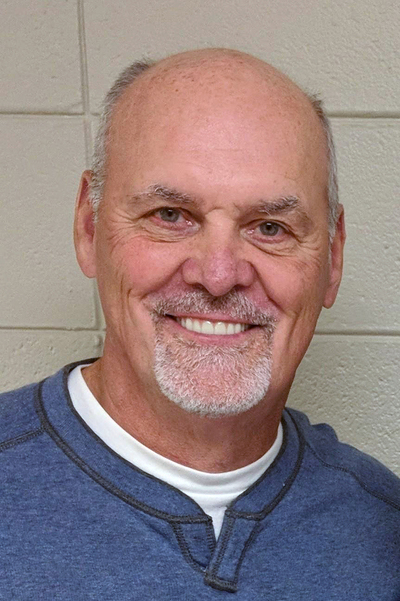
{"x": 218, "y": 267}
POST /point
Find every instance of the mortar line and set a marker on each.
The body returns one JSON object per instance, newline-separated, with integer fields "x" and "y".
{"x": 87, "y": 113}
{"x": 355, "y": 333}
{"x": 35, "y": 114}
{"x": 348, "y": 114}
{"x": 364, "y": 114}
{"x": 94, "y": 330}
{"x": 83, "y": 58}
{"x": 84, "y": 80}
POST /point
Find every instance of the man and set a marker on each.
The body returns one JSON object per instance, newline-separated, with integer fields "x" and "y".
{"x": 168, "y": 468}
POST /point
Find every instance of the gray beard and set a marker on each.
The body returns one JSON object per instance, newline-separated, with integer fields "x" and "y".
{"x": 213, "y": 381}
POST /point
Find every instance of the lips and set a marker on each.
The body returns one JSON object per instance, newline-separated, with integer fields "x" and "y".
{"x": 216, "y": 328}
{"x": 201, "y": 313}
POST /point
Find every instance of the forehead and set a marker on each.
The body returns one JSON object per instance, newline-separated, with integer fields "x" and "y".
{"x": 220, "y": 120}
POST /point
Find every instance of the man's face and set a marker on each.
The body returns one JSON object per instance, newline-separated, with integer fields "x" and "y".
{"x": 211, "y": 247}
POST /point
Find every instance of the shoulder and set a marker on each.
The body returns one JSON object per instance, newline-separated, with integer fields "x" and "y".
{"x": 18, "y": 417}
{"x": 368, "y": 473}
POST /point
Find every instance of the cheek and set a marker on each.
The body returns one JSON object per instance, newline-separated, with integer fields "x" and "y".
{"x": 298, "y": 291}
{"x": 139, "y": 267}
{"x": 297, "y": 287}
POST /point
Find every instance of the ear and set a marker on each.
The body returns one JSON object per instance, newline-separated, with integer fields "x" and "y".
{"x": 336, "y": 261}
{"x": 84, "y": 227}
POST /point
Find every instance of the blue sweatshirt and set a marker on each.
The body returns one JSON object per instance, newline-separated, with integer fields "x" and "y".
{"x": 77, "y": 522}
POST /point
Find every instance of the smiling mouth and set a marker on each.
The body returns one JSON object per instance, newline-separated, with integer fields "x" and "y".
{"x": 216, "y": 328}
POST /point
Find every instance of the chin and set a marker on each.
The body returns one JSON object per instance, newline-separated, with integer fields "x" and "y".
{"x": 212, "y": 382}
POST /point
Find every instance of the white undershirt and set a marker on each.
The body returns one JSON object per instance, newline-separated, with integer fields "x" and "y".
{"x": 213, "y": 492}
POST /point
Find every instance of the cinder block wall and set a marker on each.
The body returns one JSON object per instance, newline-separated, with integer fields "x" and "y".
{"x": 57, "y": 59}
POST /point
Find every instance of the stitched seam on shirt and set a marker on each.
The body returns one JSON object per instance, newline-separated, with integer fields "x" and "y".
{"x": 266, "y": 511}
{"x": 52, "y": 432}
{"x": 185, "y": 548}
{"x": 249, "y": 541}
{"x": 227, "y": 533}
{"x": 271, "y": 507}
{"x": 210, "y": 533}
{"x": 284, "y": 490}
{"x": 231, "y": 513}
{"x": 223, "y": 585}
{"x": 356, "y": 478}
{"x": 7, "y": 444}
{"x": 270, "y": 469}
{"x": 114, "y": 453}
{"x": 253, "y": 535}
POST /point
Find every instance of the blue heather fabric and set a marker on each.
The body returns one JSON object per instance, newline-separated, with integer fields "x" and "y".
{"x": 77, "y": 522}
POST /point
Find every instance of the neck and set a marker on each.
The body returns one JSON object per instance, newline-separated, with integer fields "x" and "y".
{"x": 203, "y": 443}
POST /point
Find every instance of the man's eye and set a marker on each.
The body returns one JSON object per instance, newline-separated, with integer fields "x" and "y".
{"x": 269, "y": 228}
{"x": 169, "y": 215}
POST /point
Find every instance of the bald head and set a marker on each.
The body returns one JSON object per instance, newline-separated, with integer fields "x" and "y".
{"x": 211, "y": 68}
{"x": 215, "y": 85}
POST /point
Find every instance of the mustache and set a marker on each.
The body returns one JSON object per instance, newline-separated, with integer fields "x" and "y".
{"x": 233, "y": 304}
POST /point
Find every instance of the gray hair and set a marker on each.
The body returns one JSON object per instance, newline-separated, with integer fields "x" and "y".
{"x": 130, "y": 75}
{"x": 123, "y": 81}
{"x": 333, "y": 187}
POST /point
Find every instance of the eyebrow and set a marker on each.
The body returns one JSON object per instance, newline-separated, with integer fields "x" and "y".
{"x": 284, "y": 205}
{"x": 169, "y": 194}
{"x": 270, "y": 208}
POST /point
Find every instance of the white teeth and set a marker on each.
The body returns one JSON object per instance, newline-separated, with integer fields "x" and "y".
{"x": 196, "y": 327}
{"x": 207, "y": 327}
{"x": 219, "y": 328}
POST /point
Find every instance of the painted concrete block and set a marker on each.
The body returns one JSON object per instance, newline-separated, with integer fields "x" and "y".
{"x": 41, "y": 159}
{"x": 40, "y": 59}
{"x": 368, "y": 158}
{"x": 339, "y": 49}
{"x": 352, "y": 383}
{"x": 29, "y": 356}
